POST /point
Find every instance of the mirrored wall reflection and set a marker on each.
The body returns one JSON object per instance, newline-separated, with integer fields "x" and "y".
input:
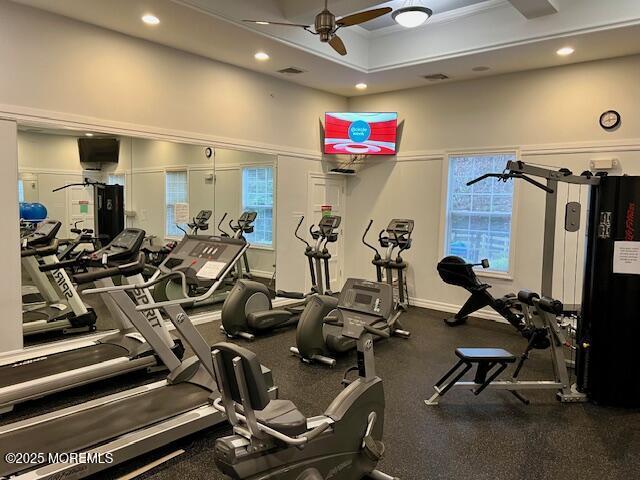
{"x": 77, "y": 190}
{"x": 245, "y": 185}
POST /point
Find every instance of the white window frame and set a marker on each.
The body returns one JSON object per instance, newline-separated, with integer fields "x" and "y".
{"x": 262, "y": 246}
{"x": 489, "y": 273}
{"x": 165, "y": 172}
{"x": 124, "y": 183}
{"x": 20, "y": 190}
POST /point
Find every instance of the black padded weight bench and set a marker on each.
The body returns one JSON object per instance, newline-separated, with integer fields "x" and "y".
{"x": 540, "y": 314}
{"x": 490, "y": 362}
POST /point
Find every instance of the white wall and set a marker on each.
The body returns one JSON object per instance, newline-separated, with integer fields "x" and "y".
{"x": 550, "y": 115}
{"x": 292, "y": 202}
{"x": 70, "y": 69}
{"x": 47, "y": 161}
{"x": 11, "y": 337}
{"x": 150, "y": 160}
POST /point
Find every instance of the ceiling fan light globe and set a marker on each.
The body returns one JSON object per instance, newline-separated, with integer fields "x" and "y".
{"x": 411, "y": 17}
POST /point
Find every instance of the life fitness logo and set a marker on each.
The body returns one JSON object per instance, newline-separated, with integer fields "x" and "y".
{"x": 359, "y": 131}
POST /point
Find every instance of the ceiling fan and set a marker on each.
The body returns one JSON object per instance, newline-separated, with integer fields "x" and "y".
{"x": 326, "y": 25}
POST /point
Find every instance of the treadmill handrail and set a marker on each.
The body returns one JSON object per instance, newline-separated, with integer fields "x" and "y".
{"x": 156, "y": 278}
{"x": 200, "y": 298}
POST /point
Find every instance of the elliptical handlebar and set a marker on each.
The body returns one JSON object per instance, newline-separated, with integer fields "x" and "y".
{"x": 224, "y": 234}
{"x": 295, "y": 233}
{"x": 364, "y": 235}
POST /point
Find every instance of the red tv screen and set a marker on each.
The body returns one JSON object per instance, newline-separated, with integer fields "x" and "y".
{"x": 360, "y": 133}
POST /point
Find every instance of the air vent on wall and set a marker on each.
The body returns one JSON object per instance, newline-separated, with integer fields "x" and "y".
{"x": 291, "y": 71}
{"x": 436, "y": 76}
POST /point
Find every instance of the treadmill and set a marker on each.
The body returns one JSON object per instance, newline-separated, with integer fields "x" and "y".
{"x": 122, "y": 352}
{"x": 64, "y": 309}
{"x": 136, "y": 421}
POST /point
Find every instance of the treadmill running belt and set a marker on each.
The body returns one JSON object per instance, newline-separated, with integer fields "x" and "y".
{"x": 100, "y": 424}
{"x": 46, "y": 365}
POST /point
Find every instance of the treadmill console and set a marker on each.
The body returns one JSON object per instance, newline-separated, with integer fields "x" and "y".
{"x": 204, "y": 257}
{"x": 44, "y": 234}
{"x": 123, "y": 248}
{"x": 364, "y": 302}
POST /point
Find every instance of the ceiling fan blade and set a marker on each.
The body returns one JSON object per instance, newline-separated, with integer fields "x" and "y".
{"x": 268, "y": 22}
{"x": 362, "y": 17}
{"x": 338, "y": 45}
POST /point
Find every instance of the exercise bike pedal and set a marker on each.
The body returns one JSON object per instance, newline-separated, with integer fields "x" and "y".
{"x": 373, "y": 448}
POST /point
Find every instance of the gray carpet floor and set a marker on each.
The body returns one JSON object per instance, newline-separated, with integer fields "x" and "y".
{"x": 492, "y": 436}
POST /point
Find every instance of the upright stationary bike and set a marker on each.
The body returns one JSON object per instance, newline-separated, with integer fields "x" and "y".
{"x": 273, "y": 440}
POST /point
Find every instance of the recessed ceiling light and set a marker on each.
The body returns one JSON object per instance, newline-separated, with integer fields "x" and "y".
{"x": 261, "y": 56}
{"x": 361, "y": 86}
{"x": 411, "y": 17}
{"x": 150, "y": 19}
{"x": 88, "y": 134}
{"x": 480, "y": 69}
{"x": 564, "y": 51}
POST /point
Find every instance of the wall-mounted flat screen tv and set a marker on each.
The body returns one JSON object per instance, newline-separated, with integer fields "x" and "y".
{"x": 99, "y": 150}
{"x": 352, "y": 133}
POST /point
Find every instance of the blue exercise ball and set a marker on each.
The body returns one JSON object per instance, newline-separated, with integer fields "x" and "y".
{"x": 32, "y": 211}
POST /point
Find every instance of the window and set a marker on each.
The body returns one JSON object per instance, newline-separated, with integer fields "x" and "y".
{"x": 20, "y": 190}
{"x": 176, "y": 191}
{"x": 257, "y": 196}
{"x": 479, "y": 217}
{"x": 118, "y": 179}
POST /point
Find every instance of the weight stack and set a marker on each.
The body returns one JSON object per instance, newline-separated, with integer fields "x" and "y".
{"x": 609, "y": 330}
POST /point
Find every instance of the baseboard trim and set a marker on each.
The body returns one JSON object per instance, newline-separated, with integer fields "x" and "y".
{"x": 452, "y": 308}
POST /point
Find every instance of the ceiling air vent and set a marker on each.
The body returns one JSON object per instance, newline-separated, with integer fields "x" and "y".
{"x": 291, "y": 71}
{"x": 436, "y": 76}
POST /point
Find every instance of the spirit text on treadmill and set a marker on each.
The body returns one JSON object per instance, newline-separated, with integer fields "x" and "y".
{"x": 37, "y": 458}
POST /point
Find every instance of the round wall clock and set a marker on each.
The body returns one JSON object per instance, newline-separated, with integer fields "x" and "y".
{"x": 610, "y": 120}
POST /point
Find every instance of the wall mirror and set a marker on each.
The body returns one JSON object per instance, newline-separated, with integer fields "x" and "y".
{"x": 154, "y": 176}
{"x": 165, "y": 186}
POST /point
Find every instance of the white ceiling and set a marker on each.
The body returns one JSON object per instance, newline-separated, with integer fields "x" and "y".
{"x": 461, "y": 35}
{"x": 437, "y": 7}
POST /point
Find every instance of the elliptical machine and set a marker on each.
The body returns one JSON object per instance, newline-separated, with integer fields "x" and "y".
{"x": 243, "y": 226}
{"x": 396, "y": 235}
{"x": 455, "y": 271}
{"x": 317, "y": 341}
{"x": 273, "y": 440}
{"x": 249, "y": 310}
